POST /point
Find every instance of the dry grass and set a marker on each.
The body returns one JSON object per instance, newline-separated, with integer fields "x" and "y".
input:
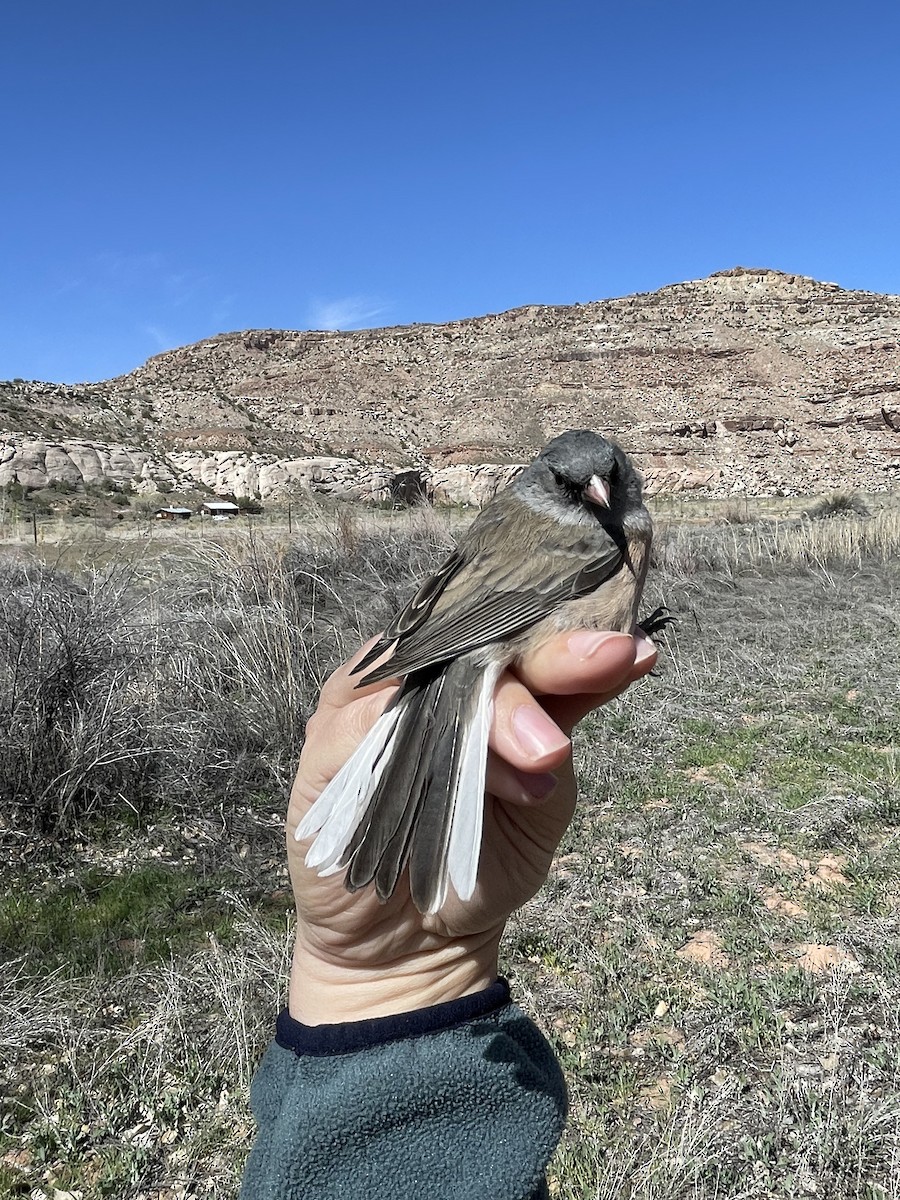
{"x": 853, "y": 541}
{"x": 715, "y": 955}
{"x": 181, "y": 670}
{"x": 151, "y": 1066}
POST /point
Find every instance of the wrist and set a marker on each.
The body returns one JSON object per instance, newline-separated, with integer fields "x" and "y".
{"x": 349, "y": 1037}
{"x": 324, "y": 991}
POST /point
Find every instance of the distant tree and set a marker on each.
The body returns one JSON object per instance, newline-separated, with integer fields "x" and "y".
{"x": 248, "y": 504}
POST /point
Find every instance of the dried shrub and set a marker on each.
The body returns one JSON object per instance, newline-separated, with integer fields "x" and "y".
{"x": 838, "y": 504}
{"x": 120, "y": 693}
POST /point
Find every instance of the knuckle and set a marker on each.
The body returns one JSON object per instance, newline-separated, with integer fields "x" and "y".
{"x": 315, "y": 724}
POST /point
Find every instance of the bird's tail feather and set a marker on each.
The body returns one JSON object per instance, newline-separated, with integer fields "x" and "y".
{"x": 337, "y": 811}
{"x": 469, "y": 811}
{"x": 413, "y": 792}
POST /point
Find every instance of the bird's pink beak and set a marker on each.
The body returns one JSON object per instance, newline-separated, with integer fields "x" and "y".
{"x": 598, "y": 491}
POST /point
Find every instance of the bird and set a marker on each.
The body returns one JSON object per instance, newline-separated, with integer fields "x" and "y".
{"x": 566, "y": 545}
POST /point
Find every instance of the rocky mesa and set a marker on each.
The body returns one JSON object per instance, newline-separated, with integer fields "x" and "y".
{"x": 750, "y": 380}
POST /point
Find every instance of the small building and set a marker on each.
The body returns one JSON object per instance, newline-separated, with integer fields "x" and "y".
{"x": 173, "y": 513}
{"x": 221, "y": 510}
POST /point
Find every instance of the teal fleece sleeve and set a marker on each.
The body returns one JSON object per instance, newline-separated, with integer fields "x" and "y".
{"x": 462, "y": 1101}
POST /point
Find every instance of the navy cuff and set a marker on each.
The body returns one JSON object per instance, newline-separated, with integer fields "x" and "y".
{"x": 322, "y": 1040}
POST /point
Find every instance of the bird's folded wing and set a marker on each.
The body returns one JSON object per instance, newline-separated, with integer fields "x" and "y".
{"x": 483, "y": 601}
{"x": 413, "y": 614}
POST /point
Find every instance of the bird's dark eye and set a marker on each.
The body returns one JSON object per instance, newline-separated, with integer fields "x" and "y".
{"x": 570, "y": 489}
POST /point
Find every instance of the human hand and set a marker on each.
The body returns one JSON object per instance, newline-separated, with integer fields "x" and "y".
{"x": 357, "y": 957}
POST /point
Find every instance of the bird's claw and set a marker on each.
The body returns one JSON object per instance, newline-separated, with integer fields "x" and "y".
{"x": 658, "y": 619}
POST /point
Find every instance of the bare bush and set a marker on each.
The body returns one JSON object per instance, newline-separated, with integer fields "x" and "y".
{"x": 121, "y": 692}
{"x": 839, "y": 504}
{"x": 74, "y": 734}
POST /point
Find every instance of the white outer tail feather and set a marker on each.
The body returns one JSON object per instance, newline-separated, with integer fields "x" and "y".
{"x": 464, "y": 849}
{"x": 340, "y": 807}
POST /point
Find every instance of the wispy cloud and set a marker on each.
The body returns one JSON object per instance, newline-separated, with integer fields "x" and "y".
{"x": 221, "y": 311}
{"x": 66, "y": 286}
{"x": 109, "y": 273}
{"x": 113, "y": 266}
{"x": 116, "y": 274}
{"x": 183, "y": 286}
{"x": 349, "y": 312}
{"x": 162, "y": 339}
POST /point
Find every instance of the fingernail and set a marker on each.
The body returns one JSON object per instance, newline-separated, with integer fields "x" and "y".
{"x": 645, "y": 649}
{"x": 539, "y": 785}
{"x": 536, "y": 733}
{"x": 586, "y": 642}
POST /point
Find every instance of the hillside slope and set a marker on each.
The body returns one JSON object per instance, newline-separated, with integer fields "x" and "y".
{"x": 749, "y": 379}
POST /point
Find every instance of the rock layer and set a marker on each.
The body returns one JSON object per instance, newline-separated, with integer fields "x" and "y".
{"x": 32, "y": 463}
{"x": 748, "y": 381}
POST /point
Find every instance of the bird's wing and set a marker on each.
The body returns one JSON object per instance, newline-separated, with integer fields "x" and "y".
{"x": 410, "y": 617}
{"x": 490, "y": 598}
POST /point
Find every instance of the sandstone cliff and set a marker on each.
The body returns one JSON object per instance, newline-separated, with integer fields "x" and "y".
{"x": 749, "y": 380}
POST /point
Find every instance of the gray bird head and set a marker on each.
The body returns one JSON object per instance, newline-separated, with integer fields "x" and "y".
{"x": 582, "y": 468}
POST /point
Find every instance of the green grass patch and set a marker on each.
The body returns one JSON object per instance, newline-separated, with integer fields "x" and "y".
{"x": 98, "y": 920}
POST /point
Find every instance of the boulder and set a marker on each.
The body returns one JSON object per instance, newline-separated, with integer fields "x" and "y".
{"x": 471, "y": 485}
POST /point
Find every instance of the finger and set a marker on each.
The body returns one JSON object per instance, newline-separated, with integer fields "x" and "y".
{"x": 567, "y": 711}
{"x": 582, "y": 661}
{"x": 518, "y": 787}
{"x": 342, "y": 687}
{"x": 521, "y": 732}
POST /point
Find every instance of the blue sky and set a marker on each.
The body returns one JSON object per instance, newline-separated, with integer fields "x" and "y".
{"x": 179, "y": 170}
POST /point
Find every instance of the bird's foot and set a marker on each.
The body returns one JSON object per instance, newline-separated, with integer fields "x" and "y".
{"x": 658, "y": 619}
